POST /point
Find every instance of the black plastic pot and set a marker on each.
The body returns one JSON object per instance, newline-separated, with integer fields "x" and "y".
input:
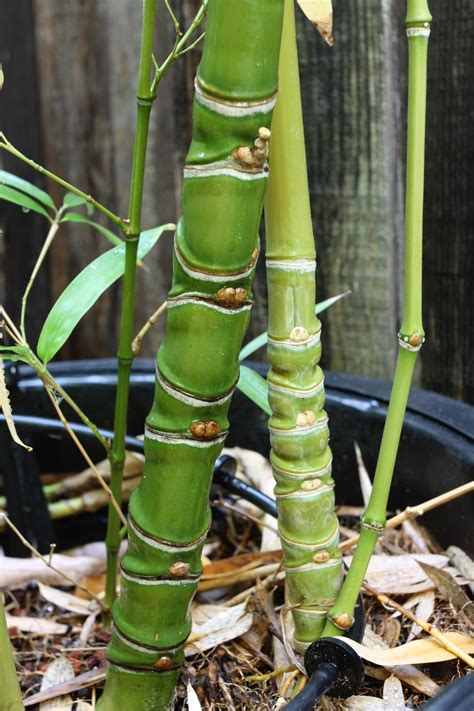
{"x": 436, "y": 451}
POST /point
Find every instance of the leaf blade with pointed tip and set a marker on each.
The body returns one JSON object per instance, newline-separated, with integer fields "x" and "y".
{"x": 108, "y": 234}
{"x": 24, "y": 186}
{"x": 254, "y": 387}
{"x": 22, "y": 200}
{"x": 319, "y": 12}
{"x": 82, "y": 293}
{"x": 73, "y": 200}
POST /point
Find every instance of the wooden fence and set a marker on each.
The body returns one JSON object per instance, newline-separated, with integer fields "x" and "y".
{"x": 70, "y": 71}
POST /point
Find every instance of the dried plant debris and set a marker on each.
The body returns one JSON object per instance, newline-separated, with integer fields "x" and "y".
{"x": 238, "y": 655}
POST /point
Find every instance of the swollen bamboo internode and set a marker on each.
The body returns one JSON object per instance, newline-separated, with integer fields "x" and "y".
{"x": 411, "y": 336}
{"x": 301, "y": 458}
{"x": 216, "y": 247}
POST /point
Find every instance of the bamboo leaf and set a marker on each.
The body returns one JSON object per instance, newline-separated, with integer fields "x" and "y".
{"x": 192, "y": 699}
{"x": 85, "y": 289}
{"x": 420, "y": 651}
{"x": 24, "y": 201}
{"x": 73, "y": 200}
{"x": 319, "y": 12}
{"x": 450, "y": 590}
{"x": 255, "y": 387}
{"x": 261, "y": 340}
{"x": 7, "y": 410}
{"x": 108, "y": 234}
{"x": 24, "y": 186}
{"x": 15, "y": 353}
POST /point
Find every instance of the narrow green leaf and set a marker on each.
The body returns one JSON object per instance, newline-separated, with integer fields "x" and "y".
{"x": 77, "y": 217}
{"x": 254, "y": 387}
{"x": 261, "y": 340}
{"x": 73, "y": 200}
{"x": 82, "y": 293}
{"x": 24, "y": 201}
{"x": 15, "y": 353}
{"x": 253, "y": 345}
{"x": 28, "y": 188}
{"x": 329, "y": 302}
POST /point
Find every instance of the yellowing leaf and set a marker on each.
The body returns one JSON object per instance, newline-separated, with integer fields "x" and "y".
{"x": 319, "y": 12}
{"x": 420, "y": 651}
{"x": 7, "y": 410}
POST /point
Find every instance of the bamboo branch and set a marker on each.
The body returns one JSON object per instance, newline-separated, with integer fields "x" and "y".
{"x": 44, "y": 250}
{"x": 89, "y": 461}
{"x": 48, "y": 563}
{"x": 137, "y": 341}
{"x": 10, "y": 148}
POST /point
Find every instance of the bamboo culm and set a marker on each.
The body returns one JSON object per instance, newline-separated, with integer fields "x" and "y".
{"x": 216, "y": 248}
{"x": 301, "y": 458}
{"x": 411, "y": 336}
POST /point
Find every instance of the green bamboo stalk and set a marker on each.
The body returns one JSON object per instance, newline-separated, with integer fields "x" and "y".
{"x": 10, "y": 696}
{"x": 301, "y": 458}
{"x": 125, "y": 354}
{"x": 197, "y": 364}
{"x": 411, "y": 336}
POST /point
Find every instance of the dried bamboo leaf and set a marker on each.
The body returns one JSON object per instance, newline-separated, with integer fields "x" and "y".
{"x": 319, "y": 12}
{"x": 15, "y": 572}
{"x": 192, "y": 698}
{"x": 423, "y": 610}
{"x": 450, "y": 590}
{"x": 364, "y": 703}
{"x": 410, "y": 675}
{"x": 81, "y": 681}
{"x": 400, "y": 573}
{"x": 463, "y": 563}
{"x": 393, "y": 699}
{"x": 420, "y": 651}
{"x": 7, "y": 410}
{"x": 66, "y": 601}
{"x": 227, "y": 624}
{"x": 58, "y": 672}
{"x": 36, "y": 625}
{"x": 364, "y": 478}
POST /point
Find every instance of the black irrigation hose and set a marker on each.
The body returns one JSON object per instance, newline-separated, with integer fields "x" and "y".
{"x": 458, "y": 696}
{"x": 223, "y": 472}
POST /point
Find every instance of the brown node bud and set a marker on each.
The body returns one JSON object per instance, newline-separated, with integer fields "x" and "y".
{"x": 254, "y": 156}
{"x": 205, "y": 429}
{"x": 163, "y": 663}
{"x": 179, "y": 569}
{"x": 299, "y": 334}
{"x": 344, "y": 621}
{"x": 416, "y": 339}
{"x": 311, "y": 484}
{"x": 305, "y": 418}
{"x": 232, "y": 297}
{"x": 321, "y": 557}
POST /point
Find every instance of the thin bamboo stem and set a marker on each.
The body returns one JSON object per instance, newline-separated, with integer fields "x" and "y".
{"x": 44, "y": 250}
{"x": 125, "y": 352}
{"x": 137, "y": 341}
{"x": 411, "y": 336}
{"x": 10, "y": 148}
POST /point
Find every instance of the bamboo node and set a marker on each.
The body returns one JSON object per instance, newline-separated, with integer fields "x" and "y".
{"x": 321, "y": 557}
{"x": 373, "y": 526}
{"x": 305, "y": 418}
{"x": 412, "y": 342}
{"x": 311, "y": 484}
{"x": 232, "y": 297}
{"x": 205, "y": 429}
{"x": 163, "y": 663}
{"x": 343, "y": 621}
{"x": 179, "y": 569}
{"x": 299, "y": 334}
{"x": 254, "y": 156}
